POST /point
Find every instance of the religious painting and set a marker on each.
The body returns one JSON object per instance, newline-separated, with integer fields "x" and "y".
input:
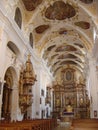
{"x": 57, "y": 103}
{"x": 40, "y": 101}
{"x": 31, "y": 5}
{"x": 95, "y": 113}
{"x": 57, "y": 100}
{"x": 0, "y": 87}
{"x": 60, "y": 10}
{"x": 42, "y": 92}
{"x": 68, "y": 75}
{"x": 42, "y": 28}
{"x": 37, "y": 113}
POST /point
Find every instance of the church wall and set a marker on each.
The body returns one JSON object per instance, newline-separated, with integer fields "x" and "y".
{"x": 93, "y": 75}
{"x": 9, "y": 31}
{"x": 92, "y": 86}
{"x": 9, "y": 59}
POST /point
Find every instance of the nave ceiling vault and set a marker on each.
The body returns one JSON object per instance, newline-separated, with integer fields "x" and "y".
{"x": 63, "y": 31}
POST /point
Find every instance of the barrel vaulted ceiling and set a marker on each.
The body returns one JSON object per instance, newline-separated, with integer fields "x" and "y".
{"x": 62, "y": 31}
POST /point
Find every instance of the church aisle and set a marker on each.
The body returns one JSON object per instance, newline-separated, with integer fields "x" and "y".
{"x": 79, "y": 124}
{"x": 62, "y": 128}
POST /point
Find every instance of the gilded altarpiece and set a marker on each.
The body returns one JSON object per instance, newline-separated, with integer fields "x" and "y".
{"x": 69, "y": 93}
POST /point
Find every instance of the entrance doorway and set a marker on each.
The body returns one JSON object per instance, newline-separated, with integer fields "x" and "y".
{"x": 7, "y": 95}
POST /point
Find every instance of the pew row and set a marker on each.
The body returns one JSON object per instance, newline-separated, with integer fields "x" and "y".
{"x": 39, "y": 124}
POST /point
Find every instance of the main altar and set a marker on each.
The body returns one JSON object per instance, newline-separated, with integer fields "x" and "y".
{"x": 70, "y": 94}
{"x": 66, "y": 117}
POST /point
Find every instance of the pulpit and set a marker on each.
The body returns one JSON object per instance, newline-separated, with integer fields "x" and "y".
{"x": 27, "y": 79}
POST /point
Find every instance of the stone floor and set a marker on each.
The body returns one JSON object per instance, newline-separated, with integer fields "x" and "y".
{"x": 63, "y": 126}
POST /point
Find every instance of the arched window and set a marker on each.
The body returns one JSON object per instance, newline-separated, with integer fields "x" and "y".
{"x": 31, "y": 40}
{"x": 13, "y": 48}
{"x": 18, "y": 17}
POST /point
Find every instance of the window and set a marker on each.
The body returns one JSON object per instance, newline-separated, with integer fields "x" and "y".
{"x": 18, "y": 17}
{"x": 31, "y": 40}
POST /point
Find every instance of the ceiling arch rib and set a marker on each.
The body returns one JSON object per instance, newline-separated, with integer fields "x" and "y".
{"x": 66, "y": 47}
{"x": 52, "y": 33}
{"x": 69, "y": 61}
{"x": 62, "y": 41}
{"x": 59, "y": 69}
{"x": 63, "y": 56}
{"x": 60, "y": 49}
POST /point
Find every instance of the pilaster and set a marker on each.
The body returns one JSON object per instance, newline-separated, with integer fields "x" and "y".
{"x": 93, "y": 81}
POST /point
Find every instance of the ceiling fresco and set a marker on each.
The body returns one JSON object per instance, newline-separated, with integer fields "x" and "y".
{"x": 87, "y": 1}
{"x": 41, "y": 28}
{"x": 31, "y": 4}
{"x": 59, "y": 10}
{"x": 65, "y": 48}
{"x": 65, "y": 56}
{"x": 62, "y": 32}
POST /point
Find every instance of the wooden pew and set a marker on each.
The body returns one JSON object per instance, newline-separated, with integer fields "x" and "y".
{"x": 39, "y": 124}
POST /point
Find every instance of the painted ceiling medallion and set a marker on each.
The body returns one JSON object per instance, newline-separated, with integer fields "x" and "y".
{"x": 65, "y": 48}
{"x": 41, "y": 28}
{"x": 63, "y": 31}
{"x": 87, "y": 1}
{"x": 60, "y": 11}
{"x": 83, "y": 24}
{"x": 30, "y": 5}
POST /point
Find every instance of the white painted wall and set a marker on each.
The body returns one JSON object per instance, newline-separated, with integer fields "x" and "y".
{"x": 9, "y": 31}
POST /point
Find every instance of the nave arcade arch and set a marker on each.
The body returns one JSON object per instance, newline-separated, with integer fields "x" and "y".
{"x": 10, "y": 79}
